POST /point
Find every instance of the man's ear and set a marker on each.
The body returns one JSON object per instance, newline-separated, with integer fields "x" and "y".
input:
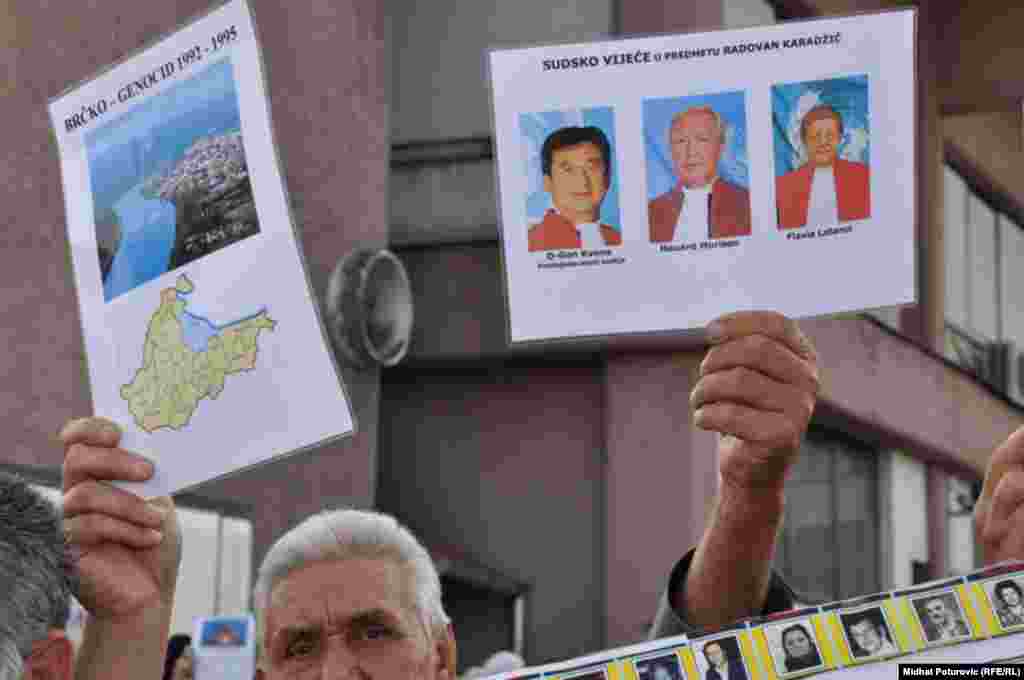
{"x": 52, "y": 658}
{"x": 446, "y": 654}
{"x": 547, "y": 183}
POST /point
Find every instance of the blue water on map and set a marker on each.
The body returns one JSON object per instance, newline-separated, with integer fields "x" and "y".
{"x": 197, "y": 331}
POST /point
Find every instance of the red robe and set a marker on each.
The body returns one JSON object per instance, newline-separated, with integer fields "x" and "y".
{"x": 853, "y": 193}
{"x": 556, "y": 232}
{"x": 728, "y": 214}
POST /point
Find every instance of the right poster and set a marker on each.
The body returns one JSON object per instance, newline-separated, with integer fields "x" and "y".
{"x": 652, "y": 184}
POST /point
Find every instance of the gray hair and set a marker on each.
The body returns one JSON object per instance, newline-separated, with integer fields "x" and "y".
{"x": 348, "y": 534}
{"x": 36, "y": 573}
{"x": 717, "y": 117}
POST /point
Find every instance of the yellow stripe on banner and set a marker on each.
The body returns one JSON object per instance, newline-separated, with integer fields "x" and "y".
{"x": 908, "y": 632}
{"x": 983, "y": 609}
{"x": 978, "y": 630}
{"x": 760, "y": 645}
{"x": 629, "y": 670}
{"x": 747, "y": 650}
{"x": 615, "y": 671}
{"x": 689, "y": 663}
{"x": 826, "y": 642}
{"x": 902, "y": 627}
{"x": 842, "y": 655}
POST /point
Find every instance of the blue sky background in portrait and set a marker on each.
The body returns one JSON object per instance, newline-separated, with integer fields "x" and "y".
{"x": 211, "y": 628}
{"x": 658, "y": 113}
{"x": 147, "y": 140}
{"x": 536, "y": 127}
{"x": 848, "y": 96}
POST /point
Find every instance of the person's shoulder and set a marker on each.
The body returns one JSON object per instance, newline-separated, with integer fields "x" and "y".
{"x": 612, "y": 236}
{"x": 794, "y": 176}
{"x": 664, "y": 200}
{"x": 726, "y": 187}
{"x": 852, "y": 168}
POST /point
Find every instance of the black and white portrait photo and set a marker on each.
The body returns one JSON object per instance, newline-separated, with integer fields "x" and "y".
{"x": 941, "y": 617}
{"x": 664, "y": 666}
{"x": 794, "y": 646}
{"x": 868, "y": 634}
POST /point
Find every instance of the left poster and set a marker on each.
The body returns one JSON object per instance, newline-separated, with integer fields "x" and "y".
{"x": 203, "y": 338}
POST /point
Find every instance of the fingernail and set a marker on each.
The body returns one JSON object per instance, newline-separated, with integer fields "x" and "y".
{"x": 144, "y": 468}
{"x": 714, "y": 332}
{"x": 154, "y": 535}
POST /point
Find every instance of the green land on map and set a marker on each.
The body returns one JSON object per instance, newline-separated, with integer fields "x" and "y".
{"x": 174, "y": 378}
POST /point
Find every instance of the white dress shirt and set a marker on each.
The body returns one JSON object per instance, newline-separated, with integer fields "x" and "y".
{"x": 590, "y": 235}
{"x": 823, "y": 210}
{"x": 693, "y": 218}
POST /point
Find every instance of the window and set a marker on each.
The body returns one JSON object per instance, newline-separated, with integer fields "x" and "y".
{"x": 746, "y": 13}
{"x": 984, "y": 254}
{"x": 829, "y": 548}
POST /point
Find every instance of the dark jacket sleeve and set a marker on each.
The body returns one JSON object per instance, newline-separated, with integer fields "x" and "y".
{"x": 669, "y": 621}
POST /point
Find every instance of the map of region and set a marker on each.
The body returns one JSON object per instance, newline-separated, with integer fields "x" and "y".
{"x": 186, "y": 358}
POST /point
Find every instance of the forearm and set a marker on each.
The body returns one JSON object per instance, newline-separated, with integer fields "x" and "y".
{"x": 731, "y": 569}
{"x": 126, "y": 649}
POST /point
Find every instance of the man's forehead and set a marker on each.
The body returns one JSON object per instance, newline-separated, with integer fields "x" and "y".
{"x": 339, "y": 589}
{"x": 692, "y": 120}
{"x": 583, "y": 149}
{"x": 825, "y": 121}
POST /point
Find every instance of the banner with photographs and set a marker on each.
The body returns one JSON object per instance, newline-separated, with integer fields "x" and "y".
{"x": 648, "y": 185}
{"x": 176, "y": 213}
{"x": 977, "y": 618}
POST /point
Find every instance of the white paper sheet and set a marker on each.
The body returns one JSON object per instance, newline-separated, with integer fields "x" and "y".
{"x": 663, "y": 267}
{"x": 202, "y": 336}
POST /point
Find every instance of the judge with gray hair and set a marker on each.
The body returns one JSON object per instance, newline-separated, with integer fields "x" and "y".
{"x": 35, "y": 585}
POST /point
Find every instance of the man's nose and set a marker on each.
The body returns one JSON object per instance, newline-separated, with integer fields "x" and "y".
{"x": 339, "y": 661}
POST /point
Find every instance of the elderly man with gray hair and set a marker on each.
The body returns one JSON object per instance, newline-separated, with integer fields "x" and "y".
{"x": 39, "y": 573}
{"x": 35, "y": 586}
{"x": 352, "y": 594}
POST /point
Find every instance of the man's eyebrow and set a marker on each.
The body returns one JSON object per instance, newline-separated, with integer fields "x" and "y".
{"x": 373, "y": 617}
{"x": 299, "y": 630}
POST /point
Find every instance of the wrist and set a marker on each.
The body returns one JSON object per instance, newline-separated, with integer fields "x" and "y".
{"x": 745, "y": 506}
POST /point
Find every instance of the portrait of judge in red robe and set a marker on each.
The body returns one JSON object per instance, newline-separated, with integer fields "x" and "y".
{"x": 577, "y": 167}
{"x": 701, "y": 204}
{"x": 825, "y": 190}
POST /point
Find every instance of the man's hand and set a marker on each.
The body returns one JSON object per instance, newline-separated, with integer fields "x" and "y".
{"x": 758, "y": 388}
{"x": 127, "y": 550}
{"x": 999, "y": 513}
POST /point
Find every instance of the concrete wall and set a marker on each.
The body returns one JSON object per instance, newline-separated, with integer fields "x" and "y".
{"x": 507, "y": 465}
{"x": 440, "y": 89}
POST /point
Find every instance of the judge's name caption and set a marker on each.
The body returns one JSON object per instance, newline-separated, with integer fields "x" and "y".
{"x": 562, "y": 259}
{"x": 140, "y": 85}
{"x": 698, "y": 246}
{"x": 818, "y": 233}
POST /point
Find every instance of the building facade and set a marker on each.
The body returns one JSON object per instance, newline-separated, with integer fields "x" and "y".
{"x": 555, "y": 487}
